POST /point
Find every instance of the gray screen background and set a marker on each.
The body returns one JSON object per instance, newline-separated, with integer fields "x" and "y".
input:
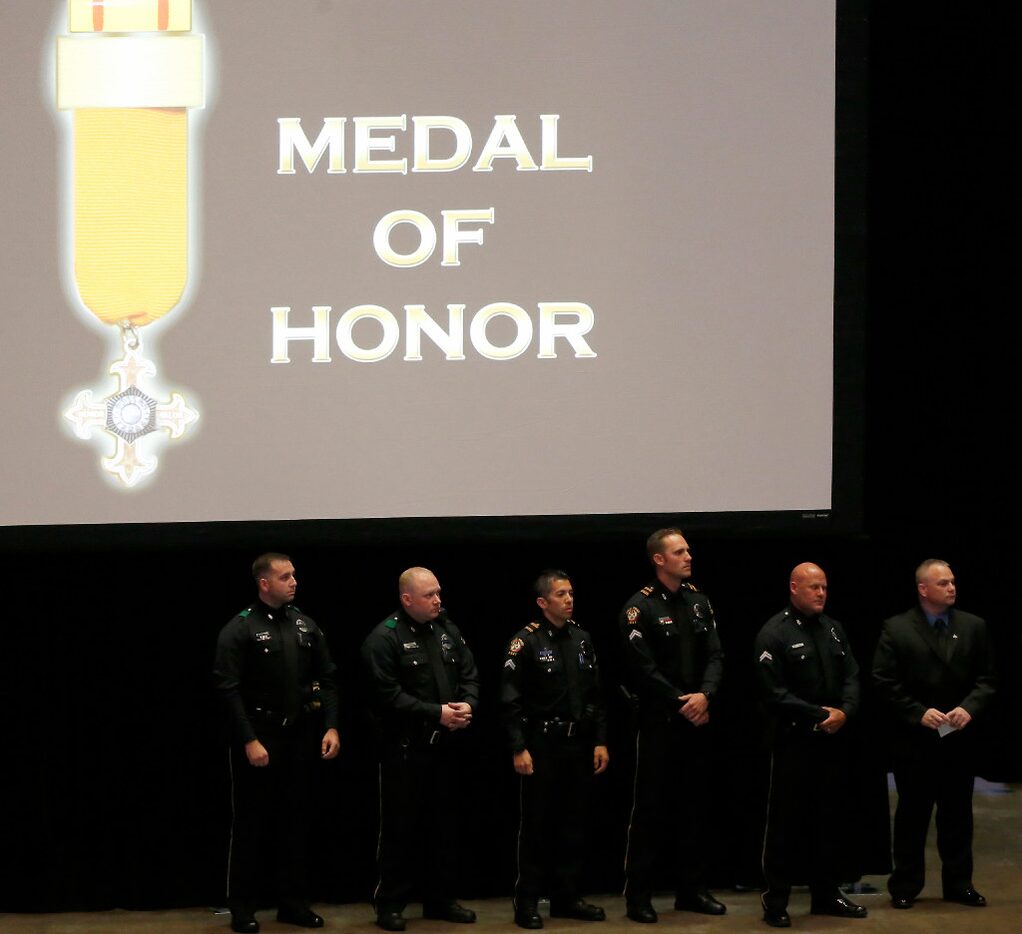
{"x": 702, "y": 239}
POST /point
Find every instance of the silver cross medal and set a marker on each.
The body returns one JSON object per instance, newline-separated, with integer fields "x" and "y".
{"x": 129, "y": 414}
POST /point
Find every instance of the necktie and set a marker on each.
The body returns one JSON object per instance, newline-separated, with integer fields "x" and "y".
{"x": 941, "y": 628}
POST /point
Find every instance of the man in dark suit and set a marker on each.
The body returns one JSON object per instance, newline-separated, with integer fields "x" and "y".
{"x": 933, "y": 668}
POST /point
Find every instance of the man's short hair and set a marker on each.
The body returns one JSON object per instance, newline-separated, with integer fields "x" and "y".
{"x": 655, "y": 543}
{"x": 924, "y": 568}
{"x": 545, "y": 582}
{"x": 262, "y": 564}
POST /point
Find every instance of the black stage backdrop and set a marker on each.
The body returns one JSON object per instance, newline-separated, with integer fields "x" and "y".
{"x": 115, "y": 786}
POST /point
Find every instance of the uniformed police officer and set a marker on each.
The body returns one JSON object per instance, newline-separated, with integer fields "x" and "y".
{"x": 674, "y": 665}
{"x": 555, "y": 719}
{"x": 274, "y": 672}
{"x": 424, "y": 689}
{"x": 810, "y": 684}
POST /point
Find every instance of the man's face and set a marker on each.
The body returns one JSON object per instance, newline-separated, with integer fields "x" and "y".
{"x": 277, "y": 586}
{"x": 559, "y": 602}
{"x": 674, "y": 559}
{"x": 809, "y": 590}
{"x": 937, "y": 588}
{"x": 422, "y": 599}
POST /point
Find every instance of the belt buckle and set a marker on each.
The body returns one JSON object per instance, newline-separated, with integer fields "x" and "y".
{"x": 571, "y": 728}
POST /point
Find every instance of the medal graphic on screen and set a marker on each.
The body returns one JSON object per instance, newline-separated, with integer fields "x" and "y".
{"x": 128, "y": 72}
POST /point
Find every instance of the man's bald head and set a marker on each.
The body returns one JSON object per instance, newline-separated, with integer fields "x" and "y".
{"x": 808, "y": 586}
{"x": 419, "y": 592}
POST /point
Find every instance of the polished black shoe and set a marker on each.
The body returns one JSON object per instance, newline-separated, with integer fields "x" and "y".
{"x": 838, "y": 906}
{"x": 643, "y": 912}
{"x": 702, "y": 902}
{"x": 776, "y": 917}
{"x": 968, "y": 896}
{"x": 902, "y": 901}
{"x": 390, "y": 920}
{"x": 244, "y": 923}
{"x": 450, "y": 911}
{"x": 528, "y": 917}
{"x": 580, "y": 910}
{"x": 303, "y": 917}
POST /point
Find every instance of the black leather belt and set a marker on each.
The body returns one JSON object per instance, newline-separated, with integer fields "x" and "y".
{"x": 271, "y": 716}
{"x": 557, "y": 727}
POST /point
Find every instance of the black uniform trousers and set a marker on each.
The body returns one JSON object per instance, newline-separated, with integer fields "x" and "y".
{"x": 419, "y": 822}
{"x": 554, "y": 815}
{"x": 936, "y": 771}
{"x": 269, "y": 833}
{"x": 670, "y": 808}
{"x": 805, "y": 826}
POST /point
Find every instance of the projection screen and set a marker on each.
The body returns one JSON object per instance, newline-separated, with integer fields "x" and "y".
{"x": 378, "y": 259}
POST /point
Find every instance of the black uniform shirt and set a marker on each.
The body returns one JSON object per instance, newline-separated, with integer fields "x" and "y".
{"x": 269, "y": 657}
{"x": 551, "y": 673}
{"x": 671, "y": 645}
{"x": 805, "y": 664}
{"x": 403, "y": 660}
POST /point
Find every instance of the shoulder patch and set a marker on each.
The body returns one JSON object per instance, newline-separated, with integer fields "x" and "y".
{"x": 391, "y": 623}
{"x": 515, "y": 647}
{"x": 245, "y": 613}
{"x": 647, "y": 590}
{"x": 632, "y": 614}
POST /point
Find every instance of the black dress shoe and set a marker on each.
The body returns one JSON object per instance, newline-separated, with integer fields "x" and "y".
{"x": 776, "y": 917}
{"x": 244, "y": 923}
{"x": 643, "y": 912}
{"x": 303, "y": 917}
{"x": 703, "y": 902}
{"x": 902, "y": 901}
{"x": 838, "y": 906}
{"x": 450, "y": 911}
{"x": 390, "y": 920}
{"x": 579, "y": 909}
{"x": 967, "y": 896}
{"x": 528, "y": 917}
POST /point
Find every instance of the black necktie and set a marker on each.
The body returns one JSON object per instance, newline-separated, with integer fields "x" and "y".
{"x": 941, "y": 627}
{"x": 436, "y": 662}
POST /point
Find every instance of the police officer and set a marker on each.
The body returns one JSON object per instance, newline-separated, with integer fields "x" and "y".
{"x": 424, "y": 688}
{"x": 556, "y": 724}
{"x": 674, "y": 665}
{"x": 810, "y": 684}
{"x": 274, "y": 672}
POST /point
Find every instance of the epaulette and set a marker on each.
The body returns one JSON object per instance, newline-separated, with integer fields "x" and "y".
{"x": 245, "y": 613}
{"x": 391, "y": 623}
{"x": 532, "y": 627}
{"x": 572, "y": 622}
{"x": 690, "y": 586}
{"x": 647, "y": 590}
{"x": 295, "y": 608}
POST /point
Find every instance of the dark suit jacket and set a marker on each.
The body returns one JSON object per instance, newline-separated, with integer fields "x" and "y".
{"x": 912, "y": 673}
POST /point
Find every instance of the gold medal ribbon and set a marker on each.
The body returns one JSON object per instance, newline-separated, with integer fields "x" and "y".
{"x": 129, "y": 88}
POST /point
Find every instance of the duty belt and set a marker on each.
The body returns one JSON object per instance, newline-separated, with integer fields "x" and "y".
{"x": 561, "y": 727}
{"x": 272, "y": 716}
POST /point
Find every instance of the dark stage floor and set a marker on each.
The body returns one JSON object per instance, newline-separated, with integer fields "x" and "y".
{"x": 998, "y": 852}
